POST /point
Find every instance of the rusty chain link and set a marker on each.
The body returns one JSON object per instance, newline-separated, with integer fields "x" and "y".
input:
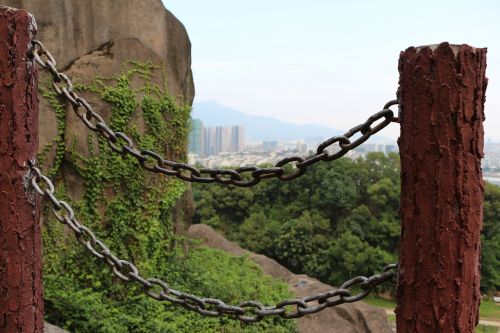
{"x": 247, "y": 311}
{"x": 154, "y": 162}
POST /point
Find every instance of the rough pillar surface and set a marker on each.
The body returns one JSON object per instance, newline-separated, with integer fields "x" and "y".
{"x": 442, "y": 93}
{"x": 21, "y": 305}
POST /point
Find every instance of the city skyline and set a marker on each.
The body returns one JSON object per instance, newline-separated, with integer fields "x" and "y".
{"x": 208, "y": 141}
{"x": 326, "y": 62}
{"x": 214, "y": 140}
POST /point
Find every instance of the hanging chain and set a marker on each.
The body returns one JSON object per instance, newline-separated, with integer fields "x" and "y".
{"x": 243, "y": 176}
{"x": 247, "y": 311}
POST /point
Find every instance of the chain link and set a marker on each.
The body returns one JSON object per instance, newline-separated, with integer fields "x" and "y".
{"x": 243, "y": 177}
{"x": 247, "y": 311}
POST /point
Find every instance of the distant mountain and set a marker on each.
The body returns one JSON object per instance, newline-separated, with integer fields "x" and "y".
{"x": 259, "y": 128}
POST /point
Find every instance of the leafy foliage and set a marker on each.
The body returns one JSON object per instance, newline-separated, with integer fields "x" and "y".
{"x": 309, "y": 224}
{"x": 490, "y": 240}
{"x": 133, "y": 213}
{"x": 338, "y": 220}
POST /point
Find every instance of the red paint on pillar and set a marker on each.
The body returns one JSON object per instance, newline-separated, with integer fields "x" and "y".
{"x": 21, "y": 304}
{"x": 442, "y": 93}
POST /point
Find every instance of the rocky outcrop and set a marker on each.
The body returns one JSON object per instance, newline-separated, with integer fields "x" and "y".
{"x": 73, "y": 28}
{"x": 48, "y": 328}
{"x": 88, "y": 37}
{"x": 347, "y": 318}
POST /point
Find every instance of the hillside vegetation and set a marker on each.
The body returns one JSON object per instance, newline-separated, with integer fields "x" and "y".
{"x": 339, "y": 220}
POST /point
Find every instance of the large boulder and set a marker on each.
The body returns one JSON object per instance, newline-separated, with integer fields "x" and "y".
{"x": 356, "y": 317}
{"x": 89, "y": 37}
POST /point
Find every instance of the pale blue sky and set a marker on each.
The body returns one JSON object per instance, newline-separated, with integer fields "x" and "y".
{"x": 326, "y": 62}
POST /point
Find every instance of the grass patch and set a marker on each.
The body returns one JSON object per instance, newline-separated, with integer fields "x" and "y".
{"x": 487, "y": 311}
{"x": 486, "y": 329}
{"x": 380, "y": 302}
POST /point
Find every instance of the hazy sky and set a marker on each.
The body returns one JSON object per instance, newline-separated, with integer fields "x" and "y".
{"x": 324, "y": 61}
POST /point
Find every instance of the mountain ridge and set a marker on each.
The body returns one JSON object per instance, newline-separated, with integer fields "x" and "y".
{"x": 263, "y": 128}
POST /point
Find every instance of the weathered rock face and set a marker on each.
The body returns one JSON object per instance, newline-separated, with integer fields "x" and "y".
{"x": 73, "y": 28}
{"x": 347, "y": 318}
{"x": 88, "y": 37}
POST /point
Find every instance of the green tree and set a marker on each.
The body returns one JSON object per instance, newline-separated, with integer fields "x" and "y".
{"x": 359, "y": 222}
{"x": 299, "y": 240}
{"x": 335, "y": 194}
{"x": 349, "y": 256}
{"x": 490, "y": 239}
{"x": 258, "y": 233}
{"x": 384, "y": 196}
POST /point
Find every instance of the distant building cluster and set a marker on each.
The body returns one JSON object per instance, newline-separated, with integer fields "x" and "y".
{"x": 491, "y": 161}
{"x": 225, "y": 147}
{"x": 210, "y": 141}
{"x": 269, "y": 146}
{"x": 377, "y": 148}
{"x": 269, "y": 152}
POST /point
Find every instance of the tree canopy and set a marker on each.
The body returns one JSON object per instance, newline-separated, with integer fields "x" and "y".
{"x": 338, "y": 220}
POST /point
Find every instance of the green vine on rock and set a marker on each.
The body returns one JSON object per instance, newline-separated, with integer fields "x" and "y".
{"x": 59, "y": 141}
{"x": 132, "y": 210}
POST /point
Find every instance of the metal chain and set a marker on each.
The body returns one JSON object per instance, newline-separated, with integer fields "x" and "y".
{"x": 244, "y": 176}
{"x": 246, "y": 311}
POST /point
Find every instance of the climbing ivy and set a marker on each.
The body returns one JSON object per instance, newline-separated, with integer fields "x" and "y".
{"x": 60, "y": 113}
{"x": 133, "y": 212}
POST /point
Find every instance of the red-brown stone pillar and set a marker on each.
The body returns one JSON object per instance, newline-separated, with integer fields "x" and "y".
{"x": 442, "y": 93}
{"x": 21, "y": 305}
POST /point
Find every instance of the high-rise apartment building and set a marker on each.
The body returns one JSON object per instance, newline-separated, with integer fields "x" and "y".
{"x": 197, "y": 137}
{"x": 237, "y": 139}
{"x": 210, "y": 141}
{"x": 222, "y": 139}
{"x": 207, "y": 141}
